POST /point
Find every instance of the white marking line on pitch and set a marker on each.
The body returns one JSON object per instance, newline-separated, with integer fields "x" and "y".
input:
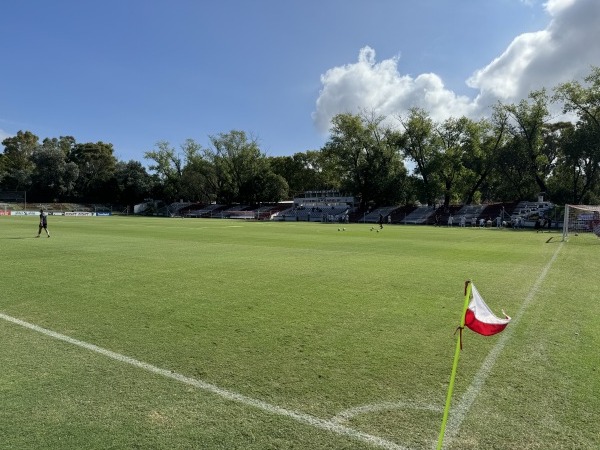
{"x": 458, "y": 413}
{"x": 385, "y": 406}
{"x": 229, "y": 395}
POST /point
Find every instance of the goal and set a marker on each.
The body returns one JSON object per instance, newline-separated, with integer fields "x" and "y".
{"x": 581, "y": 219}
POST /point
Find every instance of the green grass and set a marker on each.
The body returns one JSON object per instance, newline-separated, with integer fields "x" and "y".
{"x": 300, "y": 316}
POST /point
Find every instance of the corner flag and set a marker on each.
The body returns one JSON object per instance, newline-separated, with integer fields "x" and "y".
{"x": 478, "y": 317}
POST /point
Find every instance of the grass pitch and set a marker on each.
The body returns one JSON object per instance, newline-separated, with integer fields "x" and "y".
{"x": 353, "y": 329}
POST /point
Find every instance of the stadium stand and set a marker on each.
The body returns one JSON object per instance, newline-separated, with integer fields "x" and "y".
{"x": 420, "y": 215}
{"x": 400, "y": 213}
{"x": 325, "y": 207}
{"x": 237, "y": 212}
{"x": 373, "y": 216}
{"x": 333, "y": 213}
{"x": 205, "y": 211}
{"x": 529, "y": 212}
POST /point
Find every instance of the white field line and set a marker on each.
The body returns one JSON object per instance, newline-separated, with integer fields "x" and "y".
{"x": 304, "y": 418}
{"x": 459, "y": 412}
{"x": 384, "y": 406}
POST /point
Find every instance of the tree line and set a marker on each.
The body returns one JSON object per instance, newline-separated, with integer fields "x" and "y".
{"x": 516, "y": 153}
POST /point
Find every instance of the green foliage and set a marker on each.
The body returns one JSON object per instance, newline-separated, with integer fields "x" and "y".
{"x": 363, "y": 154}
{"x": 54, "y": 175}
{"x": 241, "y": 172}
{"x": 418, "y": 144}
{"x": 133, "y": 182}
{"x": 96, "y": 164}
{"x": 168, "y": 167}
{"x": 303, "y": 172}
{"x": 17, "y": 163}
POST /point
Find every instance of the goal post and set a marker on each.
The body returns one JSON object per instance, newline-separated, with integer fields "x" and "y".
{"x": 581, "y": 219}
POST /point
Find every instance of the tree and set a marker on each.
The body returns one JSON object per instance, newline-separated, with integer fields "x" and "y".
{"x": 239, "y": 167}
{"x": 96, "y": 165}
{"x": 363, "y": 154}
{"x": 302, "y": 171}
{"x": 273, "y": 188}
{"x": 526, "y": 126}
{"x": 168, "y": 166}
{"x": 418, "y": 143}
{"x": 581, "y": 100}
{"x": 198, "y": 181}
{"x": 454, "y": 137}
{"x": 513, "y": 178}
{"x": 484, "y": 141}
{"x": 17, "y": 163}
{"x": 54, "y": 176}
{"x": 577, "y": 175}
{"x": 3, "y": 169}
{"x": 581, "y": 153}
{"x": 133, "y": 181}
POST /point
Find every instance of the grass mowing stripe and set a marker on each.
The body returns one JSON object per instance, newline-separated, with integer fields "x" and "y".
{"x": 460, "y": 411}
{"x": 348, "y": 326}
{"x": 224, "y": 393}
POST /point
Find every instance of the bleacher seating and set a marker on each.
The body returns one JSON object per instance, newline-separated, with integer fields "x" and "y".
{"x": 373, "y": 216}
{"x": 399, "y": 214}
{"x": 527, "y": 212}
{"x": 237, "y": 212}
{"x": 174, "y": 209}
{"x": 420, "y": 215}
{"x": 206, "y": 211}
{"x": 524, "y": 208}
{"x": 333, "y": 213}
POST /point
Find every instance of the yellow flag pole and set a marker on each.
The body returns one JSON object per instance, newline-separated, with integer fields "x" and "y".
{"x": 454, "y": 365}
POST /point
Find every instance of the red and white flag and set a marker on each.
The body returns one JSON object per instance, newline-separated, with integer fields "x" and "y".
{"x": 480, "y": 318}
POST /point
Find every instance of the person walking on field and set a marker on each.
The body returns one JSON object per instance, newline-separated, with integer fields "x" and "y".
{"x": 43, "y": 223}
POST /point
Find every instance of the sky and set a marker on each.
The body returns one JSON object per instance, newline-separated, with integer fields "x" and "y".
{"x": 136, "y": 72}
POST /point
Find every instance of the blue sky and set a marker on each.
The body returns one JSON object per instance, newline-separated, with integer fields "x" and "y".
{"x": 135, "y": 72}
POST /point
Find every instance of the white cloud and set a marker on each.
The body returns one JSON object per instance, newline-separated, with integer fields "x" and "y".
{"x": 368, "y": 85}
{"x": 563, "y": 51}
{"x": 503, "y": 78}
{"x": 555, "y": 6}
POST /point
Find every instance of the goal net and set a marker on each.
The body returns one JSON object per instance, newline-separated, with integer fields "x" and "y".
{"x": 581, "y": 219}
